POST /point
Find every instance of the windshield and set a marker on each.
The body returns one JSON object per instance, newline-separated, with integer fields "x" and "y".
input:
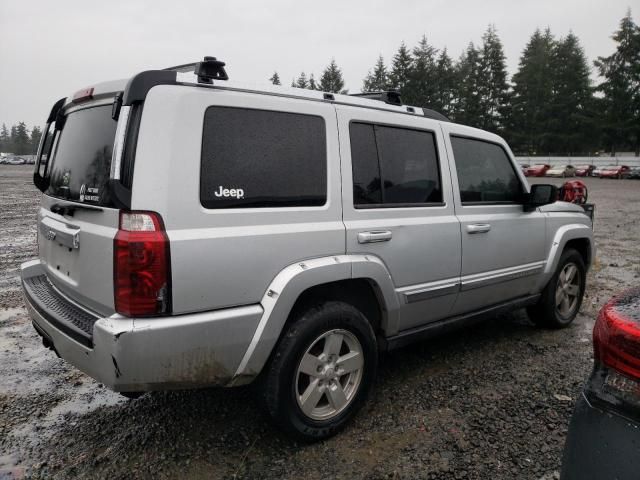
{"x": 82, "y": 159}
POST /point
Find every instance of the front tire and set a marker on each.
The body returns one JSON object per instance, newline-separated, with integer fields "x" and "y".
{"x": 561, "y": 298}
{"x": 322, "y": 371}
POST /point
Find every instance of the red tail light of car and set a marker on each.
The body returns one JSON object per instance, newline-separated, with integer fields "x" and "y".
{"x": 142, "y": 266}
{"x": 616, "y": 334}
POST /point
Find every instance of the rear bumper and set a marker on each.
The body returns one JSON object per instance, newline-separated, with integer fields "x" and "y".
{"x": 600, "y": 444}
{"x": 143, "y": 354}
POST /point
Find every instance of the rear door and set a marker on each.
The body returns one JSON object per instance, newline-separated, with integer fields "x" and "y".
{"x": 503, "y": 247}
{"x": 76, "y": 220}
{"x": 398, "y": 205}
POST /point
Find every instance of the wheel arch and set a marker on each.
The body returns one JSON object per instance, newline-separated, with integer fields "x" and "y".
{"x": 355, "y": 279}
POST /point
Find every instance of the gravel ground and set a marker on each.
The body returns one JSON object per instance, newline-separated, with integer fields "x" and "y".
{"x": 491, "y": 401}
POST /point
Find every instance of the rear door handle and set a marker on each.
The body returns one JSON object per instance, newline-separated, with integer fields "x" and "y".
{"x": 478, "y": 228}
{"x": 374, "y": 236}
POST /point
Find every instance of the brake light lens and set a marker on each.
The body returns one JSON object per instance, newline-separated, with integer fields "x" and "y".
{"x": 142, "y": 273}
{"x": 616, "y": 334}
{"x": 83, "y": 95}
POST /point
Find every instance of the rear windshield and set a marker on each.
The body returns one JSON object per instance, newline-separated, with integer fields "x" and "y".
{"x": 82, "y": 158}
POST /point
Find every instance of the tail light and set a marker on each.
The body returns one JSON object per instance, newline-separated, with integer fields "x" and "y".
{"x": 142, "y": 265}
{"x": 616, "y": 334}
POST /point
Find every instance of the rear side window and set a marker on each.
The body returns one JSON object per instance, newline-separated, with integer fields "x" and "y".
{"x": 485, "y": 172}
{"x": 259, "y": 158}
{"x": 81, "y": 162}
{"x": 393, "y": 166}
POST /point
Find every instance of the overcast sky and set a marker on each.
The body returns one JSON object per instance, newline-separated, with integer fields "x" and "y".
{"x": 49, "y": 49}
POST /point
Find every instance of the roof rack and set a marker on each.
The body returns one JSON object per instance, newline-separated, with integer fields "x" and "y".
{"x": 208, "y": 70}
{"x": 392, "y": 97}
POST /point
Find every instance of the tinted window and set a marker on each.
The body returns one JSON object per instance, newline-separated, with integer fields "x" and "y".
{"x": 394, "y": 166}
{"x": 258, "y": 158}
{"x": 82, "y": 158}
{"x": 485, "y": 173}
{"x": 367, "y": 187}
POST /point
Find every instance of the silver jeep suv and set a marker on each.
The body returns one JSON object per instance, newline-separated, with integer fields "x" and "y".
{"x": 194, "y": 232}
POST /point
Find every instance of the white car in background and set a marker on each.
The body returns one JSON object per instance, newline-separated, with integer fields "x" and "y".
{"x": 561, "y": 171}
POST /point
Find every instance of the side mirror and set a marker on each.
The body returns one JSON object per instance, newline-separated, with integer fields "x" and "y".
{"x": 541, "y": 194}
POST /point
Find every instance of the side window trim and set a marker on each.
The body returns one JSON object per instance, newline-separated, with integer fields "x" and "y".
{"x": 523, "y": 188}
{"x": 375, "y": 126}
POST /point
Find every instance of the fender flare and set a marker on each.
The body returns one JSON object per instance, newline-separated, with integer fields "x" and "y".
{"x": 563, "y": 235}
{"x": 291, "y": 282}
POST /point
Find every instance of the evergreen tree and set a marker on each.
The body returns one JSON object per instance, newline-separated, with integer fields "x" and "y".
{"x": 621, "y": 88}
{"x": 468, "y": 104}
{"x": 302, "y": 81}
{"x": 34, "y": 141}
{"x": 421, "y": 86}
{"x": 572, "y": 123}
{"x": 533, "y": 95}
{"x": 312, "y": 83}
{"x": 401, "y": 70}
{"x": 20, "y": 139}
{"x": 5, "y": 140}
{"x": 445, "y": 84}
{"x": 492, "y": 87}
{"x": 378, "y": 81}
{"x": 331, "y": 79}
{"x": 275, "y": 79}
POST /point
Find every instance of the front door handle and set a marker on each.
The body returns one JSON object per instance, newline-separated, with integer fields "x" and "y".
{"x": 374, "y": 236}
{"x": 478, "y": 228}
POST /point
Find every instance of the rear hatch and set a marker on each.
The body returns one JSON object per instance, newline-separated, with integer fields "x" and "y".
{"x": 77, "y": 220}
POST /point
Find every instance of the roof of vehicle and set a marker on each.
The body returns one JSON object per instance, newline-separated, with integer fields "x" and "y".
{"x": 136, "y": 88}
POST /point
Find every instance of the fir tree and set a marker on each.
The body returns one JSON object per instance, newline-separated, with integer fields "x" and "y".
{"x": 34, "y": 141}
{"x": 468, "y": 104}
{"x": 401, "y": 70}
{"x": 445, "y": 84}
{"x": 572, "y": 122}
{"x": 621, "y": 88}
{"x": 378, "y": 80}
{"x": 5, "y": 140}
{"x": 533, "y": 95}
{"x": 275, "y": 79}
{"x": 331, "y": 79}
{"x": 421, "y": 87}
{"x": 312, "y": 83}
{"x": 20, "y": 139}
{"x": 302, "y": 81}
{"x": 492, "y": 83}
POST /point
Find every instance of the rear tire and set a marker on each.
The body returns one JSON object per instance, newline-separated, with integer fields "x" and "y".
{"x": 322, "y": 371}
{"x": 561, "y": 298}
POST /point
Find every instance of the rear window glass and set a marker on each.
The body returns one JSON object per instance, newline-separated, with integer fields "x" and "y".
{"x": 81, "y": 162}
{"x": 260, "y": 158}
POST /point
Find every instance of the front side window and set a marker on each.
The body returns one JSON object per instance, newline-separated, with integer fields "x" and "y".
{"x": 260, "y": 158}
{"x": 485, "y": 172}
{"x": 393, "y": 166}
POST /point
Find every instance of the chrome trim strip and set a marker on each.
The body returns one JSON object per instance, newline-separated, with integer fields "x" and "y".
{"x": 118, "y": 146}
{"x": 498, "y": 276}
{"x": 431, "y": 291}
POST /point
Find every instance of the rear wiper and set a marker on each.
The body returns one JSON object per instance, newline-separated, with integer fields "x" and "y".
{"x": 70, "y": 208}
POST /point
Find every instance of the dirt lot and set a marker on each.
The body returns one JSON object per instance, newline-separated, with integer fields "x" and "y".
{"x": 491, "y": 401}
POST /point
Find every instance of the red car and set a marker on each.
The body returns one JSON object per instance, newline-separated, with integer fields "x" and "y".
{"x": 537, "y": 170}
{"x": 584, "y": 170}
{"x": 614, "y": 171}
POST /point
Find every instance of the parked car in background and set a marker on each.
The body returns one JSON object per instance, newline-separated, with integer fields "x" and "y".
{"x": 584, "y": 170}
{"x": 634, "y": 172}
{"x": 604, "y": 433}
{"x": 538, "y": 170}
{"x": 15, "y": 161}
{"x": 614, "y": 171}
{"x": 561, "y": 171}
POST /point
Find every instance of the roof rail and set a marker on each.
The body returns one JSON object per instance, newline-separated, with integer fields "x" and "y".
{"x": 427, "y": 112}
{"x": 207, "y": 70}
{"x": 392, "y": 97}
